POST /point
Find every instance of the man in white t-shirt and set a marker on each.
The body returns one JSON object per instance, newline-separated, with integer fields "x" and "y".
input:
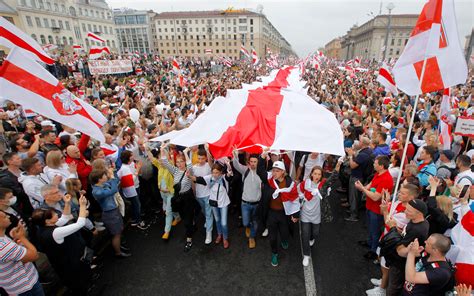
{"x": 307, "y": 163}
{"x": 465, "y": 175}
{"x": 201, "y": 169}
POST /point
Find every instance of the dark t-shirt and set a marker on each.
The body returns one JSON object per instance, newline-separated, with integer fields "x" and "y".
{"x": 362, "y": 159}
{"x": 439, "y": 276}
{"x": 413, "y": 230}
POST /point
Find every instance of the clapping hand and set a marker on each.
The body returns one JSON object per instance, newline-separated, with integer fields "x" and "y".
{"x": 415, "y": 248}
{"x": 67, "y": 198}
{"x": 18, "y": 232}
{"x": 434, "y": 181}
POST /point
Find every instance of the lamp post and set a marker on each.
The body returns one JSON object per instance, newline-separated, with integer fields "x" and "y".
{"x": 390, "y": 6}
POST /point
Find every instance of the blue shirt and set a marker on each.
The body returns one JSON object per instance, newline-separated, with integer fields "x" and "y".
{"x": 105, "y": 194}
{"x": 425, "y": 173}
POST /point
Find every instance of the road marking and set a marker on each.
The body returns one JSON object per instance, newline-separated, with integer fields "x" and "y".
{"x": 309, "y": 281}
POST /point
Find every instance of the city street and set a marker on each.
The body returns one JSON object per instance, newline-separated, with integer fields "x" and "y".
{"x": 163, "y": 268}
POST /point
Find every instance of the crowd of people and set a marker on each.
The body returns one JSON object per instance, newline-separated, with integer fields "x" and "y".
{"x": 60, "y": 189}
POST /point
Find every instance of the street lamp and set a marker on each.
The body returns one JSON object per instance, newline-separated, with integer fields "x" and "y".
{"x": 390, "y": 6}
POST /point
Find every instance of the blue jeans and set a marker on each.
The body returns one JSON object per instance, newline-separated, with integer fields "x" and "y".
{"x": 136, "y": 209}
{"x": 374, "y": 225}
{"x": 37, "y": 290}
{"x": 249, "y": 217}
{"x": 166, "y": 196}
{"x": 220, "y": 215}
{"x": 206, "y": 211}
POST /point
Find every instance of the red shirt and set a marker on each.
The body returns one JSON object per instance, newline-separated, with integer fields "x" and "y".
{"x": 379, "y": 182}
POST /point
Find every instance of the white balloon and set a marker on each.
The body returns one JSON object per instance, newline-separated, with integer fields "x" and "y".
{"x": 134, "y": 114}
{"x": 323, "y": 87}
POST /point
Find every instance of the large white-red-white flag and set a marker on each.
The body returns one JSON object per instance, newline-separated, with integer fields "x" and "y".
{"x": 96, "y": 52}
{"x": 276, "y": 113}
{"x": 255, "y": 58}
{"x": 445, "y": 127}
{"x": 434, "y": 38}
{"x": 385, "y": 78}
{"x": 11, "y": 36}
{"x": 175, "y": 64}
{"x": 95, "y": 37}
{"x": 25, "y": 82}
{"x": 244, "y": 51}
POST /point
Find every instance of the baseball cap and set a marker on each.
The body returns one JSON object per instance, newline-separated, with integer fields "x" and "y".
{"x": 47, "y": 123}
{"x": 386, "y": 125}
{"x": 279, "y": 165}
{"x": 448, "y": 153}
{"x": 419, "y": 205}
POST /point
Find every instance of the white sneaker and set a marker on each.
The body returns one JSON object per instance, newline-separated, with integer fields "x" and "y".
{"x": 377, "y": 291}
{"x": 376, "y": 282}
{"x": 305, "y": 260}
{"x": 265, "y": 232}
{"x": 311, "y": 242}
{"x": 208, "y": 238}
{"x": 100, "y": 228}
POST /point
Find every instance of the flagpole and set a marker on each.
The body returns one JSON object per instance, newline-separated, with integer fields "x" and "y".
{"x": 407, "y": 141}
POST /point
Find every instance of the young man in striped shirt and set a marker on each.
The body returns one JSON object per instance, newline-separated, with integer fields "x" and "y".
{"x": 18, "y": 275}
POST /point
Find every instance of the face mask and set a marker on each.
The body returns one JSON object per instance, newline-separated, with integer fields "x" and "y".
{"x": 12, "y": 201}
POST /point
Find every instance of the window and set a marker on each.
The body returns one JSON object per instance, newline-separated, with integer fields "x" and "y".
{"x": 398, "y": 51}
{"x": 56, "y": 7}
{"x": 217, "y": 51}
{"x": 80, "y": 11}
{"x": 399, "y": 42}
{"x": 89, "y": 27}
{"x": 41, "y": 4}
{"x": 67, "y": 26}
{"x": 204, "y": 44}
{"x": 106, "y": 30}
{"x": 43, "y": 39}
{"x": 95, "y": 28}
{"x": 392, "y": 42}
{"x": 406, "y": 41}
{"x": 58, "y": 41}
{"x": 72, "y": 11}
{"x": 50, "y": 39}
{"x": 84, "y": 27}
{"x": 38, "y": 22}
{"x": 28, "y": 21}
{"x": 113, "y": 44}
{"x": 71, "y": 41}
{"x": 251, "y": 29}
{"x": 242, "y": 21}
{"x": 63, "y": 8}
{"x": 87, "y": 42}
{"x": 100, "y": 28}
{"x": 53, "y": 23}
{"x": 102, "y": 15}
{"x": 60, "y": 23}
{"x": 34, "y": 37}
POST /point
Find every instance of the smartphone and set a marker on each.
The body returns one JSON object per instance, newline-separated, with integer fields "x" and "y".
{"x": 464, "y": 191}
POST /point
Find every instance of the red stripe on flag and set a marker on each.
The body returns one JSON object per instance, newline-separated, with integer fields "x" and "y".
{"x": 384, "y": 73}
{"x": 21, "y": 43}
{"x": 127, "y": 181}
{"x": 468, "y": 222}
{"x": 28, "y": 81}
{"x": 432, "y": 80}
{"x": 256, "y": 122}
{"x": 464, "y": 272}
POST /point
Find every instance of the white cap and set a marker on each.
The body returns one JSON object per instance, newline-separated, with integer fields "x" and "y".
{"x": 276, "y": 152}
{"x": 47, "y": 123}
{"x": 386, "y": 125}
{"x": 279, "y": 165}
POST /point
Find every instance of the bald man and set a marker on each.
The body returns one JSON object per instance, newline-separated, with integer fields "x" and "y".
{"x": 75, "y": 154}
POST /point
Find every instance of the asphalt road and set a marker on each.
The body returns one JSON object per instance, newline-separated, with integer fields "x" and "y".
{"x": 162, "y": 268}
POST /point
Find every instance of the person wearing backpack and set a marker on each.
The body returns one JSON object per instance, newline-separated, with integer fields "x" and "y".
{"x": 465, "y": 176}
{"x": 433, "y": 274}
{"x": 218, "y": 185}
{"x": 361, "y": 164}
{"x": 251, "y": 194}
{"x": 446, "y": 166}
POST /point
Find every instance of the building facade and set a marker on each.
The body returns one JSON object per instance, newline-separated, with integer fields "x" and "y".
{"x": 367, "y": 41}
{"x": 332, "y": 48}
{"x": 222, "y": 32}
{"x": 10, "y": 14}
{"x": 66, "y": 22}
{"x": 133, "y": 30}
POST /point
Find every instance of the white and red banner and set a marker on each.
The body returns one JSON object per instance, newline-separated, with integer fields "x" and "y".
{"x": 255, "y": 58}
{"x": 464, "y": 126}
{"x": 99, "y": 67}
{"x": 434, "y": 38}
{"x": 208, "y": 51}
{"x": 175, "y": 64}
{"x": 385, "y": 78}
{"x": 25, "y": 82}
{"x": 244, "y": 51}
{"x": 77, "y": 47}
{"x": 276, "y": 113}
{"x": 11, "y": 36}
{"x": 463, "y": 237}
{"x": 445, "y": 128}
{"x": 95, "y": 37}
{"x": 96, "y": 52}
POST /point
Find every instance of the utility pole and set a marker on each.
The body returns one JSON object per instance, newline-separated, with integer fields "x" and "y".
{"x": 390, "y": 6}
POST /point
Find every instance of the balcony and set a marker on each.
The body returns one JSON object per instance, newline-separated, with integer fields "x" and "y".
{"x": 56, "y": 29}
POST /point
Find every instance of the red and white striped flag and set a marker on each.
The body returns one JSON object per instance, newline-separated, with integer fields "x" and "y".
{"x": 386, "y": 79}
{"x": 255, "y": 58}
{"x": 175, "y": 64}
{"x": 48, "y": 47}
{"x": 244, "y": 51}
{"x": 97, "y": 51}
{"x": 445, "y": 128}
{"x": 208, "y": 51}
{"x": 77, "y": 47}
{"x": 26, "y": 82}
{"x": 28, "y": 113}
{"x": 434, "y": 39}
{"x": 11, "y": 36}
{"x": 463, "y": 237}
{"x": 95, "y": 37}
{"x": 265, "y": 114}
{"x": 128, "y": 180}
{"x": 138, "y": 71}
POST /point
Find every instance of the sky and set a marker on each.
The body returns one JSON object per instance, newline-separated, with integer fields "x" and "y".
{"x": 306, "y": 24}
